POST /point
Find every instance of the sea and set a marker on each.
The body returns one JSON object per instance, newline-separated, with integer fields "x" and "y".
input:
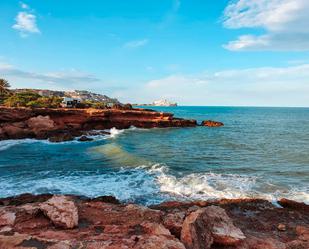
{"x": 258, "y": 153}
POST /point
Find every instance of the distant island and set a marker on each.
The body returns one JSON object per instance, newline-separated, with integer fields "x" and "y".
{"x": 161, "y": 102}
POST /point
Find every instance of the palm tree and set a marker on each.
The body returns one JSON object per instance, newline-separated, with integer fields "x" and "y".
{"x": 4, "y": 86}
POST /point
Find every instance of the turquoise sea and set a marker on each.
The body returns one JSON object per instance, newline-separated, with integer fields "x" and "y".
{"x": 260, "y": 152}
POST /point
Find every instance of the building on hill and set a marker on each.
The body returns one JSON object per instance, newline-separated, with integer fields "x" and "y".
{"x": 163, "y": 102}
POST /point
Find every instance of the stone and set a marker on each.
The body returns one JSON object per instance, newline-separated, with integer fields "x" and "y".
{"x": 207, "y": 226}
{"x": 195, "y": 234}
{"x": 41, "y": 123}
{"x": 211, "y": 123}
{"x": 7, "y": 218}
{"x": 61, "y": 210}
{"x": 158, "y": 242}
{"x": 61, "y": 137}
{"x": 85, "y": 139}
{"x": 281, "y": 227}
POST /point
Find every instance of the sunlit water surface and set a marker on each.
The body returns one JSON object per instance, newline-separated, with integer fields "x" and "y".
{"x": 260, "y": 152}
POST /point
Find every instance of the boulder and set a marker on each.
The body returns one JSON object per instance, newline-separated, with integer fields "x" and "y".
{"x": 85, "y": 139}
{"x": 41, "y": 123}
{"x": 61, "y": 210}
{"x": 210, "y": 123}
{"x": 7, "y": 218}
{"x": 207, "y": 226}
{"x": 61, "y": 137}
{"x": 195, "y": 234}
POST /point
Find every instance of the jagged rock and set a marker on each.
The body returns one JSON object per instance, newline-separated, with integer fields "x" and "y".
{"x": 43, "y": 123}
{"x": 61, "y": 210}
{"x": 211, "y": 123}
{"x": 195, "y": 234}
{"x": 173, "y": 222}
{"x": 85, "y": 139}
{"x": 62, "y": 137}
{"x": 209, "y": 225}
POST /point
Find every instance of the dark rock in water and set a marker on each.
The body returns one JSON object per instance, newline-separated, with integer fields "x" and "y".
{"x": 85, "y": 139}
{"x": 211, "y": 123}
{"x": 97, "y": 133}
{"x": 62, "y": 137}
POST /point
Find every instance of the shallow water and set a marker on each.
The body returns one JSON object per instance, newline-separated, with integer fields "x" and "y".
{"x": 260, "y": 152}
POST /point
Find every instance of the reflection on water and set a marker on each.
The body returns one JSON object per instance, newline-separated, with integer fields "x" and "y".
{"x": 260, "y": 152}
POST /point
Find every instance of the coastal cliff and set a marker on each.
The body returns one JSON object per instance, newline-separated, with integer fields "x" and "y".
{"x": 67, "y": 222}
{"x": 43, "y": 123}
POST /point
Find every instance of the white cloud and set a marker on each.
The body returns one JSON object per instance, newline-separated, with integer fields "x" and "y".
{"x": 286, "y": 86}
{"x": 136, "y": 43}
{"x": 24, "y": 6}
{"x": 25, "y": 21}
{"x": 284, "y": 21}
{"x": 53, "y": 80}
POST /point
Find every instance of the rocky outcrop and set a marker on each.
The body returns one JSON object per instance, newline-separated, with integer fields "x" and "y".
{"x": 61, "y": 210}
{"x": 67, "y": 222}
{"x": 64, "y": 124}
{"x": 210, "y": 123}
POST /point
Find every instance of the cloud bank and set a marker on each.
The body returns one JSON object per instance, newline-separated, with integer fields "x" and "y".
{"x": 285, "y": 23}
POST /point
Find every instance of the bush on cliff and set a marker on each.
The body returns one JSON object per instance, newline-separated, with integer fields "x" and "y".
{"x": 45, "y": 102}
{"x": 31, "y": 99}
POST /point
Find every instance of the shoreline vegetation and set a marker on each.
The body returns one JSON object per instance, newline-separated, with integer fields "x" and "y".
{"x": 67, "y": 222}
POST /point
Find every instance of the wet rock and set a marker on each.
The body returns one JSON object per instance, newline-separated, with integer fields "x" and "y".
{"x": 62, "y": 137}
{"x": 62, "y": 211}
{"x": 85, "y": 139}
{"x": 211, "y": 123}
{"x": 207, "y": 226}
{"x": 293, "y": 205}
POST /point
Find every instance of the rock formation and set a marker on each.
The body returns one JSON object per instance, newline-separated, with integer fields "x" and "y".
{"x": 211, "y": 123}
{"x": 67, "y": 222}
{"x": 65, "y": 124}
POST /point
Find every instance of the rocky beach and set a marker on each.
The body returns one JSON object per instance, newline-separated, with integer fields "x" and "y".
{"x": 67, "y": 222}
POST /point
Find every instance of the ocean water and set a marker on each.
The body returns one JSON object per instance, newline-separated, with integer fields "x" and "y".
{"x": 260, "y": 152}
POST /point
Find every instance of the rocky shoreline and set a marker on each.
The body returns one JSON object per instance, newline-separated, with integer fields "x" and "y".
{"x": 67, "y": 222}
{"x": 65, "y": 124}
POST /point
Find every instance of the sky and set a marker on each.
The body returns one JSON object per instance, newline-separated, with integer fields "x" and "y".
{"x": 193, "y": 52}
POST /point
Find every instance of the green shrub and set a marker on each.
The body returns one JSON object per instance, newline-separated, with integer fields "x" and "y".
{"x": 31, "y": 99}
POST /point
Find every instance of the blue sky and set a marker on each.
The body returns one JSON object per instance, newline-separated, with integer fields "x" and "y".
{"x": 194, "y": 52}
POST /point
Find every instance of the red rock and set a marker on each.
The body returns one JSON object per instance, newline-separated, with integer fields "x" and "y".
{"x": 7, "y": 218}
{"x": 211, "y": 123}
{"x": 210, "y": 225}
{"x": 43, "y": 123}
{"x": 195, "y": 233}
{"x": 158, "y": 242}
{"x": 61, "y": 210}
{"x": 173, "y": 222}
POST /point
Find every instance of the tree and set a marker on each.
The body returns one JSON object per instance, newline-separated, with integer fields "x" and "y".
{"x": 21, "y": 99}
{"x": 4, "y": 87}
